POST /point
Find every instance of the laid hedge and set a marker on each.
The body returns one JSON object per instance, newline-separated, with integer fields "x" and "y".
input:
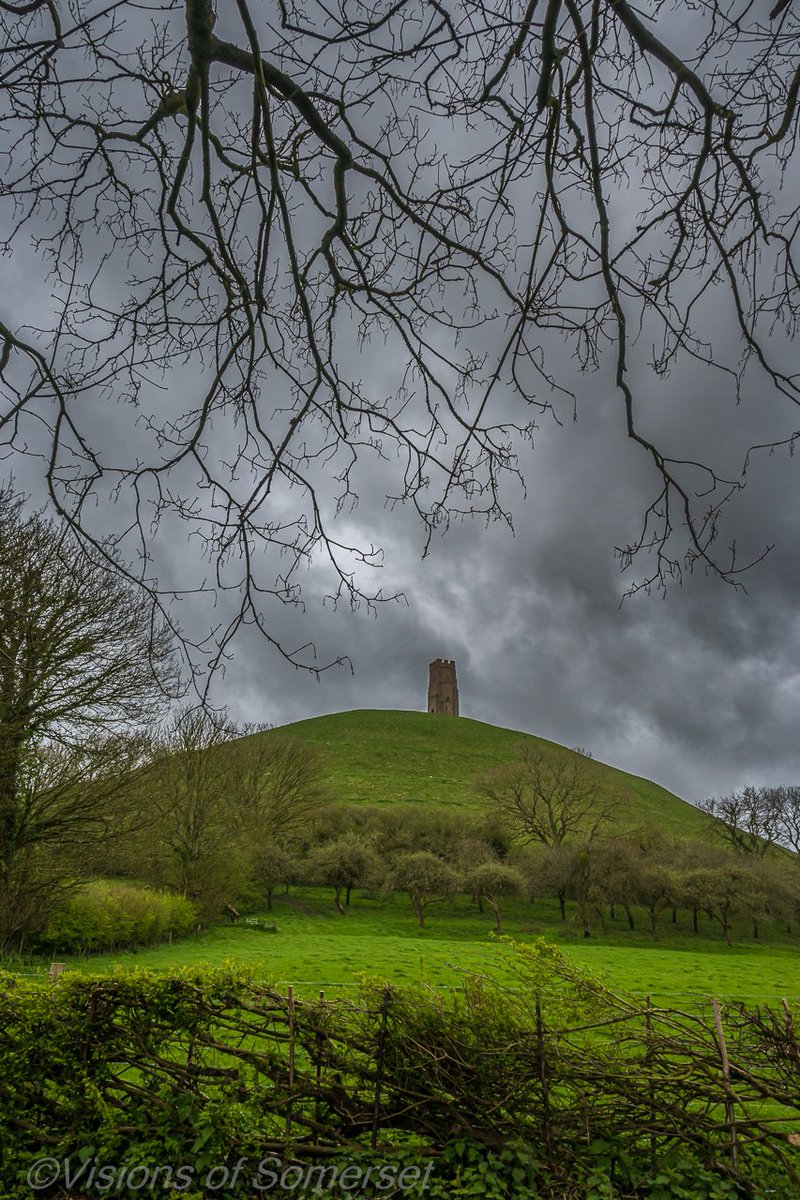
{"x": 556, "y": 1088}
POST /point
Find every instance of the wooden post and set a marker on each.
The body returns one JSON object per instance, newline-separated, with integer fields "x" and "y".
{"x": 320, "y": 1044}
{"x": 547, "y": 1129}
{"x": 376, "y": 1107}
{"x": 56, "y": 971}
{"x": 787, "y": 1013}
{"x": 726, "y": 1081}
{"x": 290, "y": 1018}
{"x": 648, "y": 1020}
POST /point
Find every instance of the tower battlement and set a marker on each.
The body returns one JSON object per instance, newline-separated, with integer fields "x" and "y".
{"x": 442, "y": 687}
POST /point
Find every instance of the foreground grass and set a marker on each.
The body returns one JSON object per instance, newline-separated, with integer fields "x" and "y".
{"x": 315, "y": 948}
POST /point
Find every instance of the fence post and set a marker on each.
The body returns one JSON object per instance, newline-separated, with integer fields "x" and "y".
{"x": 320, "y": 1044}
{"x": 726, "y": 1080}
{"x": 787, "y": 1013}
{"x": 651, "y": 1091}
{"x": 547, "y": 1129}
{"x": 376, "y": 1107}
{"x": 290, "y": 1018}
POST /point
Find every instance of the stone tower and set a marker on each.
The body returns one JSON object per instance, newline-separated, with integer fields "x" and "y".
{"x": 442, "y": 687}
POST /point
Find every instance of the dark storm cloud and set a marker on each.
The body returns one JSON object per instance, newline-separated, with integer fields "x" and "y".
{"x": 699, "y": 690}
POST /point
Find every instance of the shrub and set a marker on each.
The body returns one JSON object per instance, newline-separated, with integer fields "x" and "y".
{"x": 113, "y": 915}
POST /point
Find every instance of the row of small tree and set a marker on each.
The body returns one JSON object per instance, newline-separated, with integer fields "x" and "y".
{"x": 614, "y": 878}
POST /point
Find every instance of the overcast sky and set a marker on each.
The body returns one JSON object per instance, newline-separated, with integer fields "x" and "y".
{"x": 698, "y": 689}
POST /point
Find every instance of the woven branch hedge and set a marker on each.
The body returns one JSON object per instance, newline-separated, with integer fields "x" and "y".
{"x": 218, "y": 1064}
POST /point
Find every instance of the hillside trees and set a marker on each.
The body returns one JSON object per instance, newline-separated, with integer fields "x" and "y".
{"x": 492, "y": 881}
{"x": 277, "y": 783}
{"x": 225, "y": 806}
{"x": 195, "y": 844}
{"x": 790, "y": 817}
{"x": 84, "y": 668}
{"x": 346, "y": 862}
{"x": 749, "y": 819}
{"x": 753, "y": 819}
{"x": 424, "y": 878}
{"x": 234, "y": 203}
{"x": 549, "y": 796}
{"x": 273, "y": 866}
{"x": 723, "y": 890}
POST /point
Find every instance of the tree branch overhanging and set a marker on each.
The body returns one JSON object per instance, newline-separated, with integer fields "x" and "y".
{"x": 281, "y": 196}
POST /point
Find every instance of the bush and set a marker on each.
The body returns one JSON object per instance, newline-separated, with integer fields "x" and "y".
{"x": 110, "y": 915}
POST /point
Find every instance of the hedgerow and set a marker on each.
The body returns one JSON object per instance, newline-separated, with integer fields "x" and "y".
{"x": 555, "y": 1088}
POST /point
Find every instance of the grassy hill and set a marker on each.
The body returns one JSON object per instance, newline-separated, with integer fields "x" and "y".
{"x": 388, "y": 757}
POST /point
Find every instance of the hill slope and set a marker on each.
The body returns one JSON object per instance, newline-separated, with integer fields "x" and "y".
{"x": 385, "y": 757}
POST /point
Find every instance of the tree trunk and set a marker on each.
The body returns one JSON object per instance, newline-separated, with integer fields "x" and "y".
{"x": 584, "y": 916}
{"x": 269, "y": 899}
{"x": 694, "y": 919}
{"x": 612, "y": 911}
{"x": 347, "y": 895}
{"x": 495, "y": 907}
{"x": 420, "y": 911}
{"x": 674, "y": 916}
{"x": 629, "y": 915}
{"x": 562, "y": 904}
{"x": 755, "y": 927}
{"x": 338, "y": 897}
{"x": 9, "y": 776}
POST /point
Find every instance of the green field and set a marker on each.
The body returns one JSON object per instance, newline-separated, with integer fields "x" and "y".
{"x": 315, "y": 948}
{"x": 388, "y": 757}
{"x": 384, "y": 758}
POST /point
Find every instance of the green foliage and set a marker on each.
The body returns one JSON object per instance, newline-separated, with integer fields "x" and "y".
{"x": 111, "y": 914}
{"x": 136, "y": 1068}
{"x": 492, "y": 881}
{"x": 424, "y": 878}
{"x": 344, "y": 863}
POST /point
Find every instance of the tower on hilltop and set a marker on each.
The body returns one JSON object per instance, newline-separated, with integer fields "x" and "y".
{"x": 442, "y": 687}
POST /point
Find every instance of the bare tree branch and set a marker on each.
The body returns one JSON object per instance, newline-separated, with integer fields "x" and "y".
{"x": 233, "y": 206}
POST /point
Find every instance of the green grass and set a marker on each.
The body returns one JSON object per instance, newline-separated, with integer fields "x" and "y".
{"x": 385, "y": 757}
{"x": 316, "y": 948}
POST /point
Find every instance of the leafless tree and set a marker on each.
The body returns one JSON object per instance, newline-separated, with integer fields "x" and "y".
{"x": 228, "y": 202}
{"x": 790, "y": 816}
{"x": 277, "y": 785}
{"x": 192, "y": 835}
{"x": 550, "y": 795}
{"x": 749, "y": 819}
